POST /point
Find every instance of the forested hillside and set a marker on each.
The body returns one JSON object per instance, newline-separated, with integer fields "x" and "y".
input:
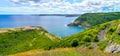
{"x": 92, "y": 19}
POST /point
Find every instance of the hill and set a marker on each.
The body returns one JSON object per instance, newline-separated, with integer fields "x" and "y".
{"x": 104, "y": 37}
{"x": 14, "y": 40}
{"x": 92, "y": 19}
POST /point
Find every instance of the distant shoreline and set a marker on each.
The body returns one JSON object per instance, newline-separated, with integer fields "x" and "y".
{"x": 67, "y": 15}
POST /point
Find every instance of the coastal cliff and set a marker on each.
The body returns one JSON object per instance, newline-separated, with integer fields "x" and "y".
{"x": 92, "y": 19}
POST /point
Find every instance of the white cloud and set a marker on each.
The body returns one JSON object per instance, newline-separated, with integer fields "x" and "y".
{"x": 65, "y": 6}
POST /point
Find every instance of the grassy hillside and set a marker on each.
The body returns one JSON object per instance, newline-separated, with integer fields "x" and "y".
{"x": 92, "y": 19}
{"x": 97, "y": 37}
{"x": 22, "y": 39}
{"x": 65, "y": 52}
{"x": 55, "y": 52}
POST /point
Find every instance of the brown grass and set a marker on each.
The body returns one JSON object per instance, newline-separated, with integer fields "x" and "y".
{"x": 66, "y": 52}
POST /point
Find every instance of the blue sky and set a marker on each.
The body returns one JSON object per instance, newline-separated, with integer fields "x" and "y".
{"x": 58, "y": 6}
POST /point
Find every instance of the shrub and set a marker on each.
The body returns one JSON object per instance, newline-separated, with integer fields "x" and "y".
{"x": 90, "y": 47}
{"x": 74, "y": 43}
{"x": 87, "y": 39}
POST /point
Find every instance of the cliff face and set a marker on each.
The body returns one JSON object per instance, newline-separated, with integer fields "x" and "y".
{"x": 13, "y": 40}
{"x": 92, "y": 19}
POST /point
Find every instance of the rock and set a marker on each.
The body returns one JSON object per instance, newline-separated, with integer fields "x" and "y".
{"x": 119, "y": 33}
{"x": 102, "y": 35}
{"x": 72, "y": 24}
{"x": 113, "y": 48}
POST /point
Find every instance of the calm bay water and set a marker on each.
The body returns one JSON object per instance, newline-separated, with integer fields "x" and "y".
{"x": 53, "y": 24}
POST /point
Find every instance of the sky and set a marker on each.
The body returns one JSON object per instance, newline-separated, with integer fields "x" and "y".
{"x": 58, "y": 6}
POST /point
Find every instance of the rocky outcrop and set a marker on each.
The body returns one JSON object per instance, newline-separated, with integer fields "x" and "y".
{"x": 73, "y": 24}
{"x": 102, "y": 35}
{"x": 119, "y": 33}
{"x": 113, "y": 48}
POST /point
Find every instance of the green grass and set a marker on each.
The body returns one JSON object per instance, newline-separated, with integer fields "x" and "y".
{"x": 54, "y": 52}
{"x": 66, "y": 52}
{"x": 59, "y": 53}
{"x": 23, "y": 40}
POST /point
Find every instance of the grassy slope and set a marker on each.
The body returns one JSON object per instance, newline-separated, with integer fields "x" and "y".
{"x": 55, "y": 52}
{"x": 65, "y": 52}
{"x": 92, "y": 19}
{"x": 23, "y": 39}
{"x": 91, "y": 37}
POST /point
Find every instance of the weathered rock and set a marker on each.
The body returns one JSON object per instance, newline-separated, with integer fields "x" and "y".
{"x": 113, "y": 48}
{"x": 102, "y": 35}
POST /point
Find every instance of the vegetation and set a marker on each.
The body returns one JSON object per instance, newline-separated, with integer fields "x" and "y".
{"x": 32, "y": 38}
{"x": 74, "y": 43}
{"x": 92, "y": 19}
{"x": 55, "y": 52}
{"x": 66, "y": 52}
{"x": 95, "y": 36}
{"x": 23, "y": 39}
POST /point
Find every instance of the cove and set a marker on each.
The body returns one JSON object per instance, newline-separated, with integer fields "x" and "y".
{"x": 53, "y": 24}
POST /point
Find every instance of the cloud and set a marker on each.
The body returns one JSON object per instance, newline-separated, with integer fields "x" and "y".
{"x": 65, "y": 6}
